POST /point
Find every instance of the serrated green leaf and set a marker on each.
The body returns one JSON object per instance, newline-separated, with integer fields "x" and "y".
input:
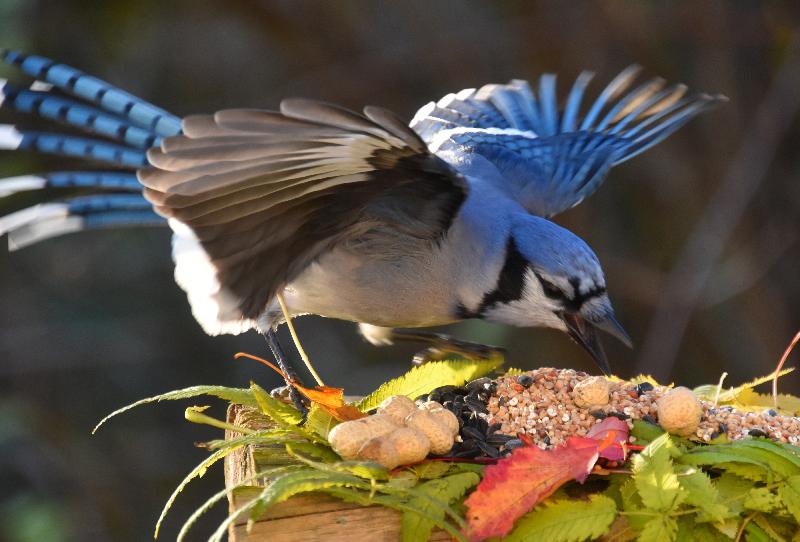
{"x": 751, "y": 400}
{"x": 655, "y": 478}
{"x": 220, "y": 495}
{"x": 320, "y": 421}
{"x": 632, "y": 504}
{"x": 645, "y": 432}
{"x": 197, "y": 472}
{"x": 789, "y": 492}
{"x": 514, "y": 371}
{"x": 688, "y": 529}
{"x": 778, "y": 528}
{"x": 367, "y": 470}
{"x": 659, "y": 529}
{"x": 265, "y": 436}
{"x": 565, "y": 521}
{"x": 293, "y": 483}
{"x": 757, "y": 534}
{"x": 396, "y": 503}
{"x": 232, "y": 395}
{"x": 317, "y": 451}
{"x": 428, "y": 470}
{"x": 700, "y": 492}
{"x": 761, "y": 499}
{"x": 427, "y": 377}
{"x": 751, "y": 472}
{"x": 732, "y": 490}
{"x": 766, "y": 453}
{"x": 709, "y": 391}
{"x": 418, "y": 528}
{"x": 404, "y": 479}
{"x": 279, "y": 412}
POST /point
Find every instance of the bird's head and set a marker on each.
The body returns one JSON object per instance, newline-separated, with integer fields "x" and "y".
{"x": 551, "y": 278}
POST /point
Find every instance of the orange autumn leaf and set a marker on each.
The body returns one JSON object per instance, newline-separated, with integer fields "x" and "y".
{"x": 329, "y": 399}
{"x": 516, "y": 484}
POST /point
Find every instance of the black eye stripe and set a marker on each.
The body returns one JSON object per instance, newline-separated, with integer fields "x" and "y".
{"x": 572, "y": 304}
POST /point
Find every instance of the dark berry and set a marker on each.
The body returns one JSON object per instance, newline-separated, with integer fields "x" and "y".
{"x": 525, "y": 380}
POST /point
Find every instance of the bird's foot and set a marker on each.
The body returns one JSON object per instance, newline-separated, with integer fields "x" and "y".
{"x": 444, "y": 347}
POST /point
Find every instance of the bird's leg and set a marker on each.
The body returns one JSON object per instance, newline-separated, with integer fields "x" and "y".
{"x": 280, "y": 357}
{"x": 296, "y": 340}
{"x": 439, "y": 344}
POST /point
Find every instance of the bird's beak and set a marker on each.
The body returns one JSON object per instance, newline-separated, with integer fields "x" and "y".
{"x": 584, "y": 333}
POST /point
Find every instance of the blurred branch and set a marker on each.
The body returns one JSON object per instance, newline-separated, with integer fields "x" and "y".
{"x": 699, "y": 256}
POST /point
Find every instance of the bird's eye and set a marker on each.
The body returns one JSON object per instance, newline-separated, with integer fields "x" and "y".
{"x": 550, "y": 290}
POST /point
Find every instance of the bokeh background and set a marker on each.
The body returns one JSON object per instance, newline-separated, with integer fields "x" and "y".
{"x": 699, "y": 237}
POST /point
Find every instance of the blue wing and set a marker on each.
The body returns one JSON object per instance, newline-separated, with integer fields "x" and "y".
{"x": 552, "y": 158}
{"x": 72, "y": 201}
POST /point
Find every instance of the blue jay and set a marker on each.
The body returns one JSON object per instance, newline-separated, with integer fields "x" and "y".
{"x": 353, "y": 216}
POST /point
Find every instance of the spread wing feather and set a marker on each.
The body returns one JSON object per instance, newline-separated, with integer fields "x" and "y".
{"x": 266, "y": 193}
{"x": 551, "y": 158}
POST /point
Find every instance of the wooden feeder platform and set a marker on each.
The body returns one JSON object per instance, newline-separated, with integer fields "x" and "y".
{"x": 310, "y": 516}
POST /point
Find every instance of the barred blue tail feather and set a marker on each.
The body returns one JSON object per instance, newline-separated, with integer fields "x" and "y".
{"x": 47, "y": 220}
{"x": 91, "y": 89}
{"x": 66, "y": 145}
{"x": 73, "y": 113}
{"x": 77, "y": 200}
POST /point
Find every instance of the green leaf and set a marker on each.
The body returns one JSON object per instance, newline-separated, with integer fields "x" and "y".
{"x": 751, "y": 472}
{"x": 404, "y": 479}
{"x": 655, "y": 477}
{"x": 232, "y": 395}
{"x": 709, "y": 391}
{"x": 290, "y": 484}
{"x": 197, "y": 472}
{"x": 645, "y": 432}
{"x": 632, "y": 504}
{"x": 428, "y": 470}
{"x": 317, "y": 451}
{"x": 279, "y": 412}
{"x": 762, "y": 500}
{"x": 396, "y": 503}
{"x": 418, "y": 528}
{"x": 566, "y": 521}
{"x": 220, "y": 495}
{"x": 195, "y": 414}
{"x": 688, "y": 529}
{"x": 514, "y": 371}
{"x": 700, "y": 492}
{"x": 427, "y": 377}
{"x": 789, "y": 493}
{"x": 659, "y": 529}
{"x": 757, "y": 534}
{"x": 732, "y": 490}
{"x": 319, "y": 421}
{"x": 757, "y": 451}
{"x": 367, "y": 470}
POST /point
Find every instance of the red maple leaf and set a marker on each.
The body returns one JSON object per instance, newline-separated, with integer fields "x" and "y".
{"x": 516, "y": 484}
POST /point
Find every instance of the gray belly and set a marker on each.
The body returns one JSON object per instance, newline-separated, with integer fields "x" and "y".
{"x": 403, "y": 291}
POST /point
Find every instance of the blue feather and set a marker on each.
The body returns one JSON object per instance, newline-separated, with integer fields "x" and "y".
{"x": 108, "y": 97}
{"x": 73, "y": 113}
{"x": 93, "y": 149}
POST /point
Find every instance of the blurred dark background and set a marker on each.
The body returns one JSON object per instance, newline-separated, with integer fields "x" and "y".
{"x": 699, "y": 237}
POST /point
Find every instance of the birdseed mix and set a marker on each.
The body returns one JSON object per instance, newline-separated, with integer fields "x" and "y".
{"x": 540, "y": 404}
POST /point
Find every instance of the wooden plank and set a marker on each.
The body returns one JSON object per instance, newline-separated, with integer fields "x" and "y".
{"x": 374, "y": 523}
{"x": 305, "y": 517}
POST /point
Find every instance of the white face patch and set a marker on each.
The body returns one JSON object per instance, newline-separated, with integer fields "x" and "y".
{"x": 533, "y": 309}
